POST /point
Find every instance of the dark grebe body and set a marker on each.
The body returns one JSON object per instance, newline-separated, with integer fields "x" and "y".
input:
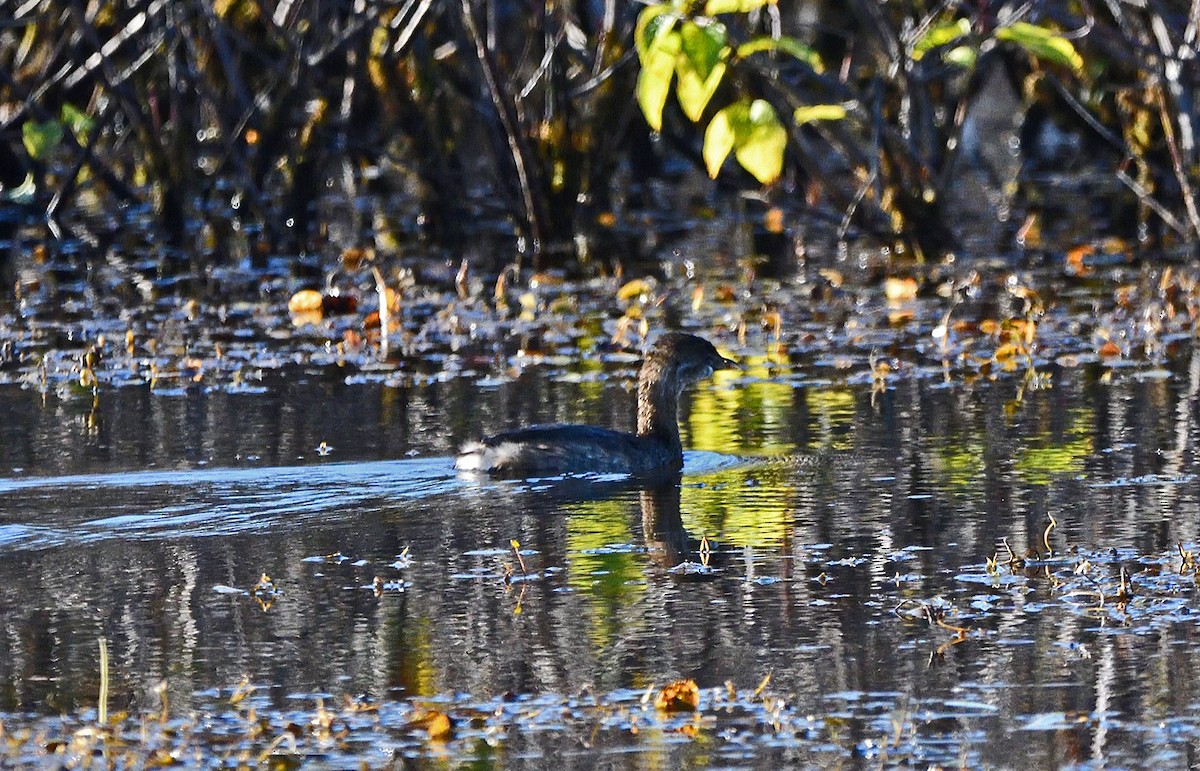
{"x": 675, "y": 362}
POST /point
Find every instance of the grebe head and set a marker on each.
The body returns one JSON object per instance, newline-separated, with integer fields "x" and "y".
{"x": 687, "y": 359}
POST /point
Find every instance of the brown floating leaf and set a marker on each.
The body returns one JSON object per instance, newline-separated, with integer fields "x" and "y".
{"x": 899, "y": 289}
{"x": 354, "y": 256}
{"x": 1075, "y": 259}
{"x": 634, "y": 289}
{"x": 1110, "y": 349}
{"x": 679, "y": 696}
{"x": 1007, "y": 351}
{"x": 438, "y": 725}
{"x": 306, "y": 301}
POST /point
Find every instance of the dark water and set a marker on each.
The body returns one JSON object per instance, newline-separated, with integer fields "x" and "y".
{"x": 840, "y": 524}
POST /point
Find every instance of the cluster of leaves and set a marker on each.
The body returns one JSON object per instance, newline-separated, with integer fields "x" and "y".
{"x": 191, "y": 107}
{"x": 696, "y": 49}
{"x": 880, "y": 139}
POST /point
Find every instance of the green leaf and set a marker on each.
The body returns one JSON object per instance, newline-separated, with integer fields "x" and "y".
{"x": 695, "y": 94}
{"x": 653, "y": 21}
{"x": 41, "y": 138}
{"x": 753, "y": 132}
{"x": 761, "y": 153}
{"x": 654, "y": 81}
{"x": 787, "y": 45}
{"x": 720, "y": 136}
{"x": 713, "y": 7}
{"x": 1042, "y": 43}
{"x": 814, "y": 112}
{"x": 703, "y": 45}
{"x": 700, "y": 66}
{"x": 940, "y": 35}
{"x": 80, "y": 123}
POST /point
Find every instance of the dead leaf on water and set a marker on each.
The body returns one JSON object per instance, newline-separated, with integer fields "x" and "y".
{"x": 679, "y": 696}
{"x": 900, "y": 289}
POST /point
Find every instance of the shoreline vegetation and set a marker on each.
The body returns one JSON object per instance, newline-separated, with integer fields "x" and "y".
{"x": 570, "y": 136}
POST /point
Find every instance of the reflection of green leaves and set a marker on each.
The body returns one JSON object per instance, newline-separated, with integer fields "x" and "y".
{"x": 41, "y": 138}
{"x": 719, "y": 509}
{"x": 753, "y": 132}
{"x": 610, "y": 576}
{"x": 939, "y": 35}
{"x": 961, "y": 463}
{"x": 713, "y": 7}
{"x": 700, "y": 66}
{"x": 1043, "y": 44}
{"x": 783, "y": 44}
{"x": 833, "y": 410}
{"x": 1039, "y": 465}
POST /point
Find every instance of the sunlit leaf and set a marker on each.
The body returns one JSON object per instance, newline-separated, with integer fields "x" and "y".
{"x": 1044, "y": 44}
{"x": 703, "y": 45}
{"x": 700, "y": 66}
{"x": 41, "y": 138}
{"x": 963, "y": 56}
{"x": 78, "y": 121}
{"x": 653, "y": 21}
{"x": 761, "y": 152}
{"x": 753, "y": 132}
{"x": 784, "y": 44}
{"x": 719, "y": 137}
{"x": 940, "y": 35}
{"x": 713, "y": 7}
{"x": 899, "y": 289}
{"x": 694, "y": 94}
{"x": 812, "y": 113}
{"x": 654, "y": 81}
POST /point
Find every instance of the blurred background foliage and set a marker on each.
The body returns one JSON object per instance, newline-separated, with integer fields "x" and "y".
{"x": 241, "y": 130}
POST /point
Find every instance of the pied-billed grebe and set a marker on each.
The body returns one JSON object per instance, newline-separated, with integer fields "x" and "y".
{"x": 675, "y": 362}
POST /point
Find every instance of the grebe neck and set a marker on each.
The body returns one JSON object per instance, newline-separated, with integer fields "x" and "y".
{"x": 658, "y": 404}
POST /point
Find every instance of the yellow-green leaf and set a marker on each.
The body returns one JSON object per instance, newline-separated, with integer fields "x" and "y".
{"x": 703, "y": 45}
{"x": 719, "y": 137}
{"x": 787, "y": 45}
{"x": 1043, "y": 43}
{"x": 41, "y": 138}
{"x": 940, "y": 35}
{"x": 694, "y": 94}
{"x": 963, "y": 56}
{"x": 700, "y": 65}
{"x": 761, "y": 153}
{"x": 653, "y": 21}
{"x": 814, "y": 112}
{"x": 654, "y": 81}
{"x": 79, "y": 122}
{"x": 713, "y": 7}
{"x": 753, "y": 132}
